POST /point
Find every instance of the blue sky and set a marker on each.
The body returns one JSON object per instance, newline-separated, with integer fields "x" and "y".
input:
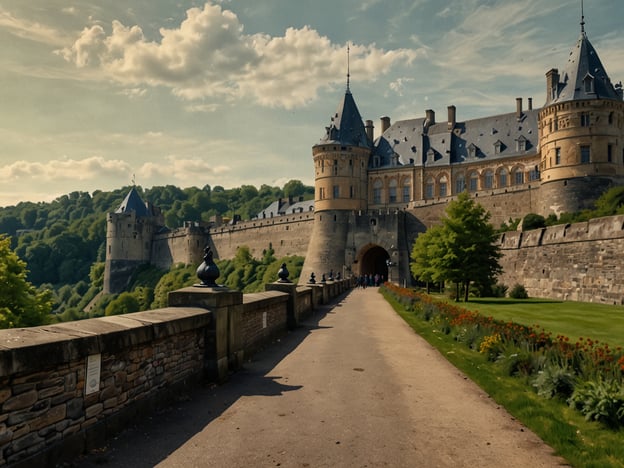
{"x": 236, "y": 92}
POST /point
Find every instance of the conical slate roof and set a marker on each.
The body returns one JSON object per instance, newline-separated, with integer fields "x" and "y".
{"x": 584, "y": 76}
{"x": 346, "y": 127}
{"x": 133, "y": 202}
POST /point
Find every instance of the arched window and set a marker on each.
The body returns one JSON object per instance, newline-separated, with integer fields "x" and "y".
{"x": 474, "y": 182}
{"x": 392, "y": 191}
{"x": 429, "y": 187}
{"x": 502, "y": 178}
{"x": 460, "y": 183}
{"x": 377, "y": 186}
{"x": 488, "y": 179}
{"x": 443, "y": 186}
{"x": 407, "y": 190}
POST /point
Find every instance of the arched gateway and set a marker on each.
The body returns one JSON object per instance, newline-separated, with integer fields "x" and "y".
{"x": 372, "y": 259}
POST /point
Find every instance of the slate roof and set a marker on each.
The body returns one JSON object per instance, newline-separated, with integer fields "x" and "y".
{"x": 583, "y": 66}
{"x": 346, "y": 127}
{"x": 133, "y": 202}
{"x": 491, "y": 138}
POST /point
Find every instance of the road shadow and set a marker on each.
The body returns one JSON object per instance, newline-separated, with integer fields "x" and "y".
{"x": 152, "y": 439}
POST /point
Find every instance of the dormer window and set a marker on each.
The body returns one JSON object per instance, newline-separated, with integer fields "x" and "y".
{"x": 498, "y": 147}
{"x": 588, "y": 83}
{"x": 430, "y": 155}
{"x": 472, "y": 150}
{"x": 521, "y": 144}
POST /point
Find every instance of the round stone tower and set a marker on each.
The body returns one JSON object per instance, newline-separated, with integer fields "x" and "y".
{"x": 341, "y": 174}
{"x": 129, "y": 232}
{"x": 581, "y": 133}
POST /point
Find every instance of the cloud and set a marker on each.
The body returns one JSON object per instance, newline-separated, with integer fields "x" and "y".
{"x": 30, "y": 30}
{"x": 181, "y": 169}
{"x": 61, "y": 170}
{"x": 209, "y": 55}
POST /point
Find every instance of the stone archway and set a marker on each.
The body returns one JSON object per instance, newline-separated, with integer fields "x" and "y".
{"x": 372, "y": 260}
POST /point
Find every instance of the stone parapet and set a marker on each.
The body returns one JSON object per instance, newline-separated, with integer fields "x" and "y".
{"x": 66, "y": 388}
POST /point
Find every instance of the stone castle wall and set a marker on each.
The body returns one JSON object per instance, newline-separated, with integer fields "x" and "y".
{"x": 288, "y": 235}
{"x": 578, "y": 262}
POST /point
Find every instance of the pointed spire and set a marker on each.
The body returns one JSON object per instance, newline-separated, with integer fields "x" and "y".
{"x": 348, "y": 68}
{"x": 582, "y": 18}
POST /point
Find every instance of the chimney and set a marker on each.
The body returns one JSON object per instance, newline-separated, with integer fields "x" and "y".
{"x": 385, "y": 124}
{"x": 530, "y": 104}
{"x": 519, "y": 108}
{"x": 430, "y": 115}
{"x": 452, "y": 116}
{"x": 552, "y": 84}
{"x": 369, "y": 130}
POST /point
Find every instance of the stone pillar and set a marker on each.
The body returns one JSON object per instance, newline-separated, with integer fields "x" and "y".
{"x": 224, "y": 345}
{"x": 292, "y": 319}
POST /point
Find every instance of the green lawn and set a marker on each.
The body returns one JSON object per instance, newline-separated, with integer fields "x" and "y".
{"x": 572, "y": 319}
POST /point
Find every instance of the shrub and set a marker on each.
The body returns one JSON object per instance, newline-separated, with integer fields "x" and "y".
{"x": 518, "y": 292}
{"x": 555, "y": 381}
{"x": 517, "y": 362}
{"x": 601, "y": 400}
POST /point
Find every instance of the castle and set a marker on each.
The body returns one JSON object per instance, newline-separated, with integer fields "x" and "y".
{"x": 373, "y": 196}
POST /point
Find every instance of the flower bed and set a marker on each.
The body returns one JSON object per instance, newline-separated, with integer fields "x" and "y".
{"x": 587, "y": 374}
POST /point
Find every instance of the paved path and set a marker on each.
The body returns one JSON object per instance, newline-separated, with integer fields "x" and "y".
{"x": 354, "y": 387}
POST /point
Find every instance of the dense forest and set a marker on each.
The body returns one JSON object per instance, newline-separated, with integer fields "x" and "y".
{"x": 63, "y": 241}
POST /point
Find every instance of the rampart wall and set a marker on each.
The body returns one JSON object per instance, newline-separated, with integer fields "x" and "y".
{"x": 578, "y": 262}
{"x": 288, "y": 235}
{"x": 66, "y": 388}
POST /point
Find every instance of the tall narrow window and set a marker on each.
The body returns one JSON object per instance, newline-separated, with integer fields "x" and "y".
{"x": 442, "y": 187}
{"x": 585, "y": 154}
{"x": 489, "y": 179}
{"x": 429, "y": 187}
{"x": 406, "y": 191}
{"x": 585, "y": 119}
{"x": 474, "y": 182}
{"x": 377, "y": 192}
{"x": 351, "y": 191}
{"x": 460, "y": 184}
{"x": 502, "y": 178}
{"x": 610, "y": 152}
{"x": 336, "y": 191}
{"x": 557, "y": 156}
{"x": 392, "y": 191}
{"x": 518, "y": 177}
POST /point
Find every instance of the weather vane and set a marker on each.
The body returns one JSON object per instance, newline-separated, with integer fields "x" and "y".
{"x": 582, "y": 17}
{"x": 133, "y": 181}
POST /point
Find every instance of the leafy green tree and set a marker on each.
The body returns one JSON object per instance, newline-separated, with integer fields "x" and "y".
{"x": 462, "y": 250}
{"x": 20, "y": 303}
{"x": 426, "y": 250}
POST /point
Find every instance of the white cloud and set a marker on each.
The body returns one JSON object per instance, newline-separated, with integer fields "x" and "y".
{"x": 30, "y": 30}
{"x": 60, "y": 170}
{"x": 210, "y": 56}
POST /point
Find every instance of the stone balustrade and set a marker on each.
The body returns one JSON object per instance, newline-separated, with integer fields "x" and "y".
{"x": 66, "y": 388}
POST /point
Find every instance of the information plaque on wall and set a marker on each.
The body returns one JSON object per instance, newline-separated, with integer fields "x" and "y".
{"x": 92, "y": 376}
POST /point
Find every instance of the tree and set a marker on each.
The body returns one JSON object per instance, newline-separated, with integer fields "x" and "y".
{"x": 462, "y": 250}
{"x": 21, "y": 305}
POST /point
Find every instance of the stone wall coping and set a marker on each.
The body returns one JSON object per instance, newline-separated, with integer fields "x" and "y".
{"x": 608, "y": 227}
{"x": 269, "y": 297}
{"x": 37, "y": 348}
